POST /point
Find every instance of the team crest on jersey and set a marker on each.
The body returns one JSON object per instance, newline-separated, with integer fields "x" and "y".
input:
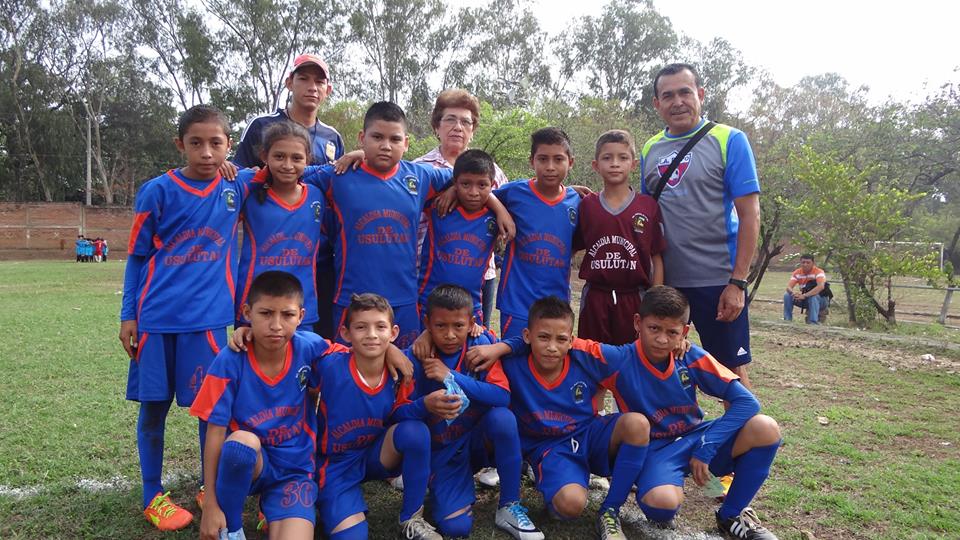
{"x": 684, "y": 377}
{"x": 330, "y": 150}
{"x": 677, "y": 175}
{"x": 230, "y": 198}
{"x": 639, "y": 221}
{"x": 303, "y": 375}
{"x": 411, "y": 184}
{"x": 579, "y": 390}
{"x": 491, "y": 226}
{"x": 572, "y": 214}
{"x": 317, "y": 208}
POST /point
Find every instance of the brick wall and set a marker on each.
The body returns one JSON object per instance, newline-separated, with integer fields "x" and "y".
{"x": 48, "y": 230}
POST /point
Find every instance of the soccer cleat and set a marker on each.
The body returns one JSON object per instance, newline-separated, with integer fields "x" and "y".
{"x": 488, "y": 477}
{"x": 417, "y": 528}
{"x": 746, "y": 526}
{"x": 235, "y": 535}
{"x": 262, "y": 523}
{"x": 608, "y": 525}
{"x": 165, "y": 515}
{"x": 396, "y": 482}
{"x": 513, "y": 519}
{"x": 199, "y": 498}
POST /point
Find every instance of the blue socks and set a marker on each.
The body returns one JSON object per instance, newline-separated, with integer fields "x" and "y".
{"x": 500, "y": 426}
{"x": 202, "y": 432}
{"x": 658, "y": 515}
{"x": 150, "y": 427}
{"x": 412, "y": 439}
{"x": 750, "y": 471}
{"x": 626, "y": 470}
{"x": 360, "y": 531}
{"x": 234, "y": 476}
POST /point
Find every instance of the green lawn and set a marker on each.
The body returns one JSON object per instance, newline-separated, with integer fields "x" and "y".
{"x": 886, "y": 465}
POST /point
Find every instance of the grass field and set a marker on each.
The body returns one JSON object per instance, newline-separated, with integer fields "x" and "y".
{"x": 885, "y": 466}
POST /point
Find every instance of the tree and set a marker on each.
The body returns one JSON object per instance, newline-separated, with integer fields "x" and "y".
{"x": 722, "y": 70}
{"x": 843, "y": 215}
{"x": 617, "y": 52}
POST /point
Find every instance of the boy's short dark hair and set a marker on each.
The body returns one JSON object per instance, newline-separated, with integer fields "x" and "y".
{"x": 621, "y": 136}
{"x": 386, "y": 111}
{"x": 448, "y": 296}
{"x": 475, "y": 162}
{"x": 808, "y": 256}
{"x": 367, "y": 302}
{"x": 199, "y": 114}
{"x": 550, "y": 307}
{"x": 275, "y": 283}
{"x": 549, "y": 135}
{"x": 666, "y": 302}
{"x": 673, "y": 69}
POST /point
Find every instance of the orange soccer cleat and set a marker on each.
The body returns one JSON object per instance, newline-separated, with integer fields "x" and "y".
{"x": 165, "y": 515}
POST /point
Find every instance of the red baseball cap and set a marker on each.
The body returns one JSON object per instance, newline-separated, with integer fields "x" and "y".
{"x": 308, "y": 59}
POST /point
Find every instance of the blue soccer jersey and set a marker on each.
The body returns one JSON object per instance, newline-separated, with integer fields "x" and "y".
{"x": 236, "y": 394}
{"x": 456, "y": 250}
{"x": 484, "y": 389}
{"x": 352, "y": 415}
{"x": 550, "y": 411}
{"x": 376, "y": 215}
{"x": 537, "y": 261}
{"x": 186, "y": 231}
{"x": 667, "y": 393}
{"x": 280, "y": 236}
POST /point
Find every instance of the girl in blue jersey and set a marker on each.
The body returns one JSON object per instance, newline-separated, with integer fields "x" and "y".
{"x": 282, "y": 219}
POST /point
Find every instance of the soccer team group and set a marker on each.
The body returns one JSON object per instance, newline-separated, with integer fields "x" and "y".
{"x": 410, "y": 384}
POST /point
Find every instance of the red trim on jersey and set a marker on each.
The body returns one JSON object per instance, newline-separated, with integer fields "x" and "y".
{"x": 556, "y": 382}
{"x": 662, "y": 375}
{"x": 428, "y": 245}
{"x": 208, "y": 396}
{"x": 355, "y": 373}
{"x": 593, "y": 348}
{"x": 284, "y": 204}
{"x": 548, "y": 202}
{"x": 313, "y": 438}
{"x": 383, "y": 176}
{"x": 475, "y": 215}
{"x": 403, "y": 395}
{"x": 151, "y": 266}
{"x": 506, "y": 325}
{"x": 248, "y": 233}
{"x": 711, "y": 365}
{"x": 271, "y": 381}
{"x": 497, "y": 377}
{"x": 157, "y": 243}
{"x": 141, "y": 343}
{"x": 231, "y": 286}
{"x": 610, "y": 383}
{"x": 135, "y": 229}
{"x": 212, "y": 342}
{"x": 342, "y": 246}
{"x": 326, "y": 430}
{"x": 192, "y": 190}
{"x": 543, "y": 456}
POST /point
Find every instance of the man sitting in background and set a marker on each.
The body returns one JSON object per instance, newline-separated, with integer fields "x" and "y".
{"x": 812, "y": 280}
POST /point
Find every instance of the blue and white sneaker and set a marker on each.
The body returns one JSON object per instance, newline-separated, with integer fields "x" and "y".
{"x": 513, "y": 519}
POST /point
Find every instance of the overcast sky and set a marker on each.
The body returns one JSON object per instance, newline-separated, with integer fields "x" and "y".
{"x": 894, "y": 48}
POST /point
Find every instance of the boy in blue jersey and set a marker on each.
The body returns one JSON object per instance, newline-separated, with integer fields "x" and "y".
{"x": 537, "y": 261}
{"x": 464, "y": 441}
{"x": 261, "y": 419}
{"x": 181, "y": 248}
{"x": 457, "y": 246}
{"x": 651, "y": 380}
{"x": 377, "y": 208}
{"x": 356, "y": 400}
{"x": 563, "y": 437}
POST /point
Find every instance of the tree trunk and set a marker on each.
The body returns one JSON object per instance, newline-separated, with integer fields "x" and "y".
{"x": 851, "y": 306}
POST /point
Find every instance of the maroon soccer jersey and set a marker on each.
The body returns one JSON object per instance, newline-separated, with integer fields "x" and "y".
{"x": 619, "y": 243}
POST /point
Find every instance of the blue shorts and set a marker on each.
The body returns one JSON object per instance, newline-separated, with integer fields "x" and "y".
{"x": 285, "y": 493}
{"x": 572, "y": 460}
{"x": 668, "y": 462}
{"x": 341, "y": 494}
{"x": 451, "y": 472}
{"x": 728, "y": 342}
{"x": 172, "y": 364}
{"x": 405, "y": 317}
{"x": 511, "y": 326}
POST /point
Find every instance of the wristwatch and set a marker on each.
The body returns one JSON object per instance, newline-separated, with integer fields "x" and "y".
{"x": 740, "y": 283}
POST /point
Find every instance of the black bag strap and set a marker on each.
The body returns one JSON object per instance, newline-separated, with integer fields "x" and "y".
{"x": 680, "y": 155}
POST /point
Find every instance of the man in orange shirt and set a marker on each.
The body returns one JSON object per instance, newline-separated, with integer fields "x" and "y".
{"x": 812, "y": 280}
